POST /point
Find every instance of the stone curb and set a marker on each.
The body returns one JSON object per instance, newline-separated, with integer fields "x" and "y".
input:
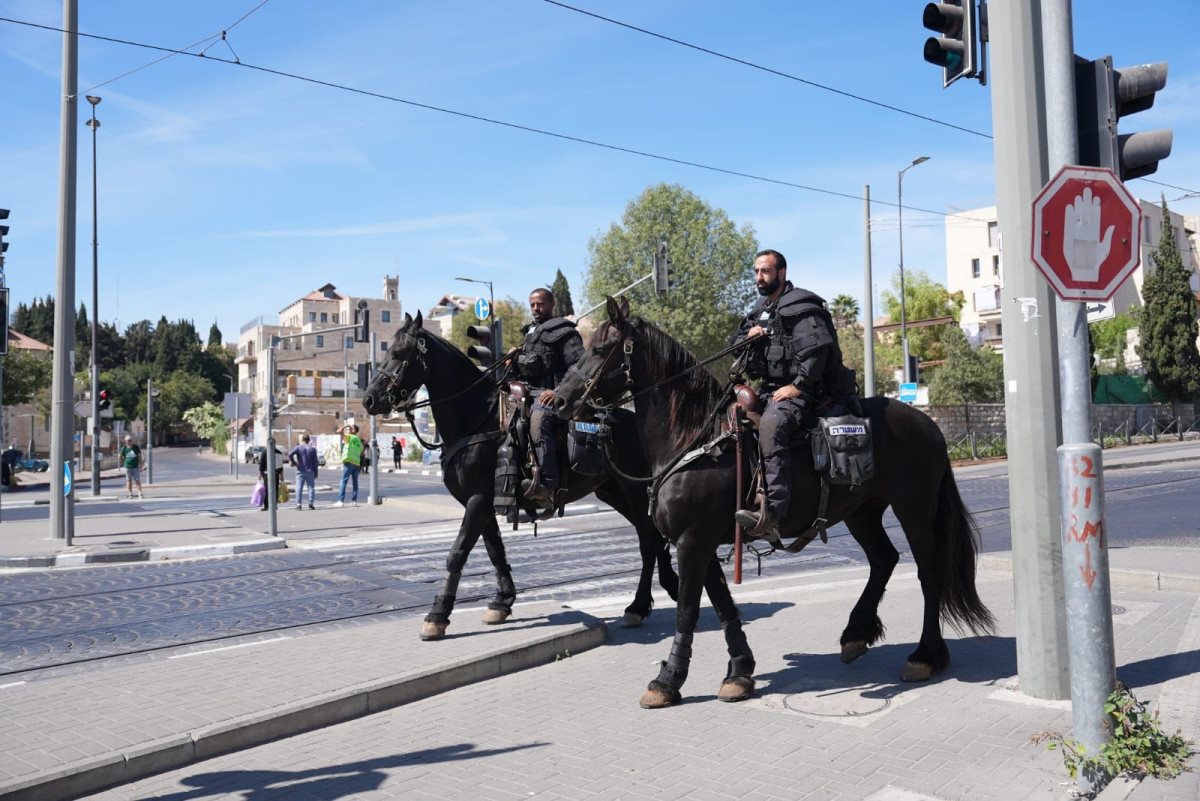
{"x": 145, "y": 759}
{"x": 1119, "y": 577}
{"x": 77, "y": 558}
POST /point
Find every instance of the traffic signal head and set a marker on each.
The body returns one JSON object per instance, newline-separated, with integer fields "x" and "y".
{"x": 662, "y": 268}
{"x": 482, "y": 352}
{"x": 1104, "y": 95}
{"x": 362, "y": 319}
{"x": 104, "y": 400}
{"x": 956, "y": 51}
{"x": 364, "y": 375}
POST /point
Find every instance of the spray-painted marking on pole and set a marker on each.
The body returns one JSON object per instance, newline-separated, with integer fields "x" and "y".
{"x": 1081, "y": 531}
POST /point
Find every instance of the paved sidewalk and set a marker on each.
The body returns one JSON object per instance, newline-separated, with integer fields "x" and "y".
{"x": 572, "y": 729}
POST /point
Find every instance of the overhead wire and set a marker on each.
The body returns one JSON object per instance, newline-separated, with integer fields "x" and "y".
{"x": 484, "y": 119}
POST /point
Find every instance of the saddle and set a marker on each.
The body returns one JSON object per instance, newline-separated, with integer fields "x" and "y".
{"x": 517, "y": 468}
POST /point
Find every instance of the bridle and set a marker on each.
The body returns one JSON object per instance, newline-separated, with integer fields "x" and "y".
{"x": 397, "y": 395}
{"x": 626, "y": 367}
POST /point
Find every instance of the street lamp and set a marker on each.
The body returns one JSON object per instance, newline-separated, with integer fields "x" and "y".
{"x": 908, "y": 377}
{"x": 492, "y": 311}
{"x": 94, "y": 124}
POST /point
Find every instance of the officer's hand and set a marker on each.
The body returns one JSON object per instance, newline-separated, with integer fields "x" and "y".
{"x": 786, "y": 392}
{"x": 547, "y": 397}
{"x": 756, "y": 331}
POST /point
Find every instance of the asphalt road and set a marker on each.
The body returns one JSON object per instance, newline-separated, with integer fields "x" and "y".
{"x": 50, "y": 619}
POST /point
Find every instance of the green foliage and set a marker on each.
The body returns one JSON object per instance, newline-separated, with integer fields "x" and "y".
{"x": 26, "y": 376}
{"x": 924, "y": 299}
{"x": 1138, "y": 747}
{"x": 208, "y": 421}
{"x": 181, "y": 391}
{"x": 850, "y": 340}
{"x": 712, "y": 263}
{"x": 844, "y": 310}
{"x": 512, "y": 316}
{"x": 969, "y": 375}
{"x": 562, "y": 295}
{"x": 35, "y": 320}
{"x": 1109, "y": 338}
{"x": 1168, "y": 321}
{"x": 214, "y": 336}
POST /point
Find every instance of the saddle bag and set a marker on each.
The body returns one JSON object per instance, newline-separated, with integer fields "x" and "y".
{"x": 508, "y": 480}
{"x": 585, "y": 446}
{"x": 843, "y": 451}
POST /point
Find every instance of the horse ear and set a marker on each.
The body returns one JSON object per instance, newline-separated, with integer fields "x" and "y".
{"x": 614, "y": 309}
{"x": 417, "y": 320}
{"x": 407, "y": 321}
{"x": 624, "y": 307}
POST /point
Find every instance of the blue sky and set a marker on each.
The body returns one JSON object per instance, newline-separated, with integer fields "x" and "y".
{"x": 225, "y": 192}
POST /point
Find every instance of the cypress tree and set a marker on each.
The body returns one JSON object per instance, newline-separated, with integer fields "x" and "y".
{"x": 1168, "y": 321}
{"x": 563, "y": 306}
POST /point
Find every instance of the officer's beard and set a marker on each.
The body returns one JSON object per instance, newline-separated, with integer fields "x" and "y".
{"x": 769, "y": 289}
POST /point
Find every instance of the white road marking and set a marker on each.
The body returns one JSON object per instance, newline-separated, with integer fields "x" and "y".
{"x": 229, "y": 647}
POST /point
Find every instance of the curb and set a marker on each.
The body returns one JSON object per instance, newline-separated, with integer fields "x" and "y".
{"x": 1118, "y": 577}
{"x": 145, "y": 759}
{"x": 77, "y": 558}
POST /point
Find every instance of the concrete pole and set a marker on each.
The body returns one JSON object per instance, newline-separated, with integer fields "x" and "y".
{"x": 904, "y": 371}
{"x": 1030, "y": 354}
{"x": 373, "y": 480}
{"x": 149, "y": 431}
{"x": 95, "y": 372}
{"x": 272, "y": 500}
{"x": 1087, "y": 591}
{"x": 62, "y": 392}
{"x": 868, "y": 301}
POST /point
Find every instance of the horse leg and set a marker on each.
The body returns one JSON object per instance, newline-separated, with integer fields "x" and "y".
{"x": 865, "y": 628}
{"x": 434, "y": 627}
{"x": 931, "y": 655}
{"x": 653, "y": 548}
{"x": 500, "y": 607}
{"x": 693, "y": 562}
{"x": 738, "y": 684}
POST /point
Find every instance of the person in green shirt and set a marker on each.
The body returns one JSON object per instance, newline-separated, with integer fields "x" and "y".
{"x": 352, "y": 448}
{"x": 131, "y": 460}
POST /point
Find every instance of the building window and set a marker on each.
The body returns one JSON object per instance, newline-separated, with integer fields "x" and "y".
{"x": 349, "y": 343}
{"x": 320, "y": 341}
{"x": 385, "y": 316}
{"x": 383, "y": 346}
{"x": 312, "y": 317}
{"x": 974, "y": 268}
{"x": 993, "y": 238}
{"x": 1147, "y": 239}
{"x": 324, "y": 317}
{"x": 999, "y": 329}
{"x": 996, "y": 266}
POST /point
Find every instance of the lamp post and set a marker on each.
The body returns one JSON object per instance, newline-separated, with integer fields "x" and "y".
{"x": 908, "y": 377}
{"x": 233, "y": 462}
{"x": 497, "y": 346}
{"x": 94, "y": 124}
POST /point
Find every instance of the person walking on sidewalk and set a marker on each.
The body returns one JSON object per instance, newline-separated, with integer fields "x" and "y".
{"x": 352, "y": 450}
{"x": 397, "y": 452}
{"x": 303, "y": 457}
{"x": 131, "y": 460}
{"x": 262, "y": 476}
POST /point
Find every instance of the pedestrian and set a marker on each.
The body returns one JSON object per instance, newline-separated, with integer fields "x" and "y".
{"x": 303, "y": 457}
{"x": 397, "y": 451}
{"x": 352, "y": 451}
{"x": 262, "y": 476}
{"x": 131, "y": 460}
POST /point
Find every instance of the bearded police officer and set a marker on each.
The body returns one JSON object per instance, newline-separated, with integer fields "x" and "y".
{"x": 551, "y": 346}
{"x": 799, "y": 364}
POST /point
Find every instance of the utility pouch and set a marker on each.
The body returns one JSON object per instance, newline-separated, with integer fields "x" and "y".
{"x": 843, "y": 451}
{"x": 585, "y": 447}
{"x": 508, "y": 480}
{"x": 531, "y": 365}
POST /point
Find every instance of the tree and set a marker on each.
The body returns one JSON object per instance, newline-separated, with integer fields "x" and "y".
{"x": 1168, "y": 321}
{"x": 510, "y": 312}
{"x": 969, "y": 375}
{"x": 1109, "y": 338}
{"x": 26, "y": 375}
{"x": 83, "y": 331}
{"x": 36, "y": 320}
{"x": 139, "y": 342}
{"x": 924, "y": 299}
{"x": 850, "y": 340}
{"x": 181, "y": 391}
{"x": 208, "y": 421}
{"x": 562, "y": 295}
{"x": 844, "y": 309}
{"x": 712, "y": 261}
{"x": 214, "y": 335}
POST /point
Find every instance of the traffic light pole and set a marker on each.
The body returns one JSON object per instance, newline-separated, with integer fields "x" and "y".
{"x": 868, "y": 302}
{"x": 616, "y": 294}
{"x": 373, "y": 480}
{"x": 269, "y": 415}
{"x": 1030, "y": 353}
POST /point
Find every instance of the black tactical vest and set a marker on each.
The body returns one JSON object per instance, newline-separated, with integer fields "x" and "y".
{"x": 797, "y": 324}
{"x": 541, "y": 362}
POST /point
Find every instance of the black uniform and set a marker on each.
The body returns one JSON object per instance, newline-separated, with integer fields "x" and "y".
{"x": 549, "y": 350}
{"x": 801, "y": 349}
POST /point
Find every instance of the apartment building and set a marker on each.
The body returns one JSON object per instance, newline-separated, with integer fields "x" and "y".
{"x": 974, "y": 267}
{"x": 315, "y": 374}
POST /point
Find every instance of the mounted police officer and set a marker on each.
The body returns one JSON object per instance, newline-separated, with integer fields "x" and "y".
{"x": 550, "y": 347}
{"x": 799, "y": 364}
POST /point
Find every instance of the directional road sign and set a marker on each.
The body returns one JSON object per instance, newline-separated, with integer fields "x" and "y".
{"x": 66, "y": 479}
{"x": 1086, "y": 233}
{"x": 482, "y": 309}
{"x": 908, "y": 393}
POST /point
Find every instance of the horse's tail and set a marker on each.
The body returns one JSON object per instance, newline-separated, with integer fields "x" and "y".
{"x": 957, "y": 549}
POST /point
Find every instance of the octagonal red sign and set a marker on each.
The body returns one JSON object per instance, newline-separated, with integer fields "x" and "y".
{"x": 1086, "y": 233}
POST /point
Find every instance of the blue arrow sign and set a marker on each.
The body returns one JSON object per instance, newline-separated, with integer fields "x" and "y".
{"x": 482, "y": 309}
{"x": 66, "y": 479}
{"x": 908, "y": 392}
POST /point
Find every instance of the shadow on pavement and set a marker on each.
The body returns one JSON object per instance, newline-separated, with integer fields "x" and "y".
{"x": 327, "y": 783}
{"x": 1159, "y": 669}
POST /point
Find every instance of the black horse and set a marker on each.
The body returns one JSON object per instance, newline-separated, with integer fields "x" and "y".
{"x": 696, "y": 502}
{"x": 464, "y": 407}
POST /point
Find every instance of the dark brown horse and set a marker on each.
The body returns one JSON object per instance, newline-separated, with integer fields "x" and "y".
{"x": 464, "y": 408}
{"x": 696, "y": 502}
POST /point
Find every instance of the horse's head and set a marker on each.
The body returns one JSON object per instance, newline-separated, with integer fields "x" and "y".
{"x": 605, "y": 372}
{"x": 403, "y": 371}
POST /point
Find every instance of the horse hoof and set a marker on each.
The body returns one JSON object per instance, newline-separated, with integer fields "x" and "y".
{"x": 655, "y": 698}
{"x": 493, "y": 617}
{"x": 853, "y": 650}
{"x": 736, "y": 688}
{"x": 433, "y": 631}
{"x": 631, "y": 620}
{"x": 915, "y": 671}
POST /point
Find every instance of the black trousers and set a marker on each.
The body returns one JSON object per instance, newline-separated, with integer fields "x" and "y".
{"x": 780, "y": 423}
{"x": 545, "y": 427}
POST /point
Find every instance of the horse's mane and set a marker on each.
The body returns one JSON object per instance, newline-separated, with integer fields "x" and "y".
{"x": 691, "y": 397}
{"x": 436, "y": 340}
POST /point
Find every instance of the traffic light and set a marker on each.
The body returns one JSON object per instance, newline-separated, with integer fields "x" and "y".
{"x": 956, "y": 51}
{"x": 364, "y": 375}
{"x": 362, "y": 319}
{"x": 3, "y": 233}
{"x": 482, "y": 352}
{"x": 104, "y": 400}
{"x": 3, "y": 319}
{"x": 1103, "y": 96}
{"x": 662, "y": 268}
